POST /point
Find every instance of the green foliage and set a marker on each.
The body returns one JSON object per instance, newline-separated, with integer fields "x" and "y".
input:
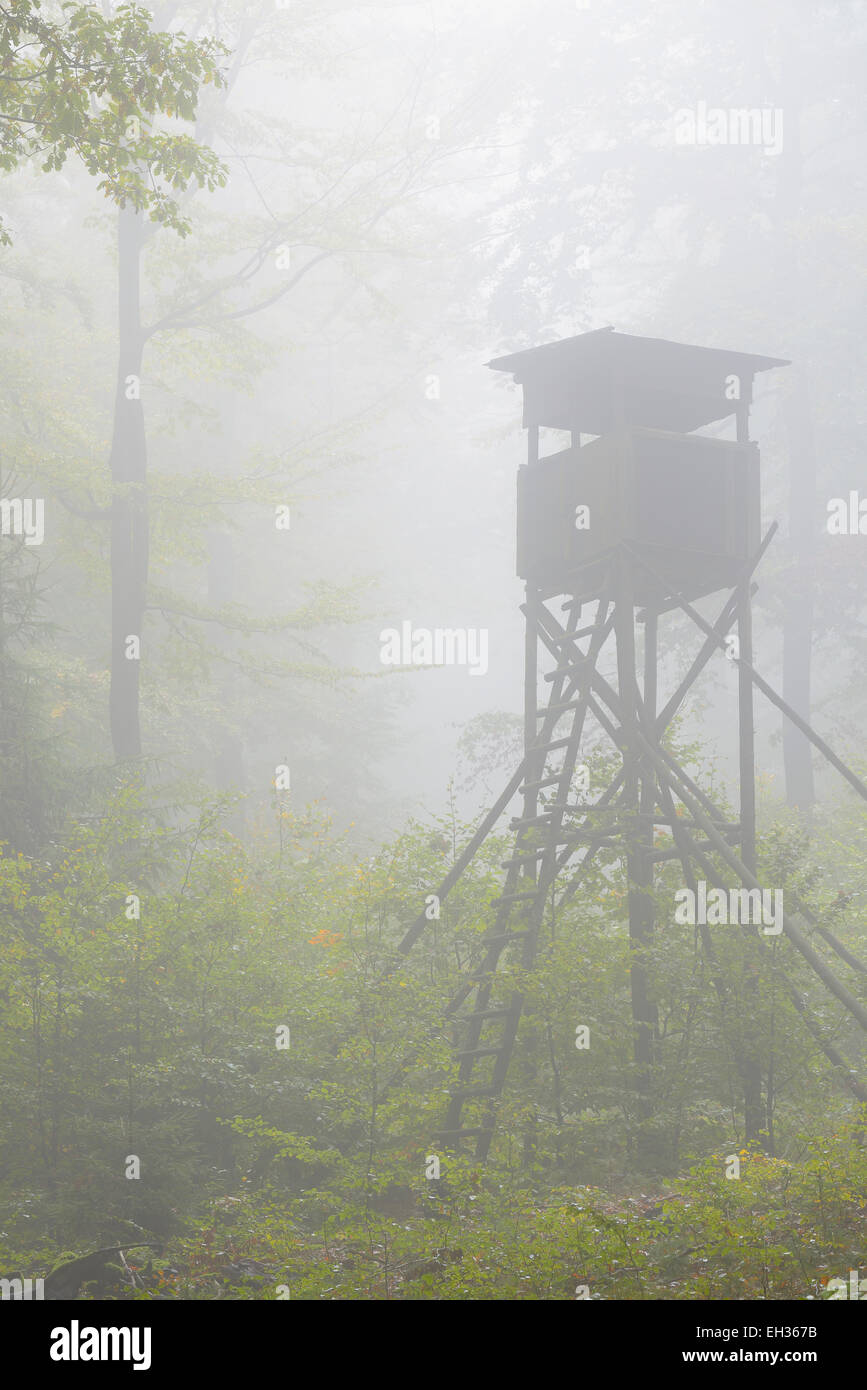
{"x": 93, "y": 86}
{"x": 304, "y": 1165}
{"x": 780, "y": 1231}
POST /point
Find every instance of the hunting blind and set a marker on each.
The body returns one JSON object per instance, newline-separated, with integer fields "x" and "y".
{"x": 637, "y": 516}
{"x": 689, "y": 503}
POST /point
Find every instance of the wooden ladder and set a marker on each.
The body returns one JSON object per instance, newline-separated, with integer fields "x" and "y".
{"x": 489, "y": 1030}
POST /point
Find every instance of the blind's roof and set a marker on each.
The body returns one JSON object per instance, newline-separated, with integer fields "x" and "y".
{"x": 598, "y": 380}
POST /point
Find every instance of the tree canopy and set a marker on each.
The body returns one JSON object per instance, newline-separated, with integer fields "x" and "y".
{"x": 87, "y": 85}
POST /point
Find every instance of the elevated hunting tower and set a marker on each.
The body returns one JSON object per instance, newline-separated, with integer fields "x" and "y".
{"x": 636, "y": 516}
{"x": 688, "y": 503}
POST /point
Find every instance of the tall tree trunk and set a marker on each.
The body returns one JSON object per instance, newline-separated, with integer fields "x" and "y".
{"x": 799, "y": 586}
{"x": 129, "y": 513}
{"x": 639, "y": 794}
{"x": 799, "y": 596}
{"x": 230, "y": 769}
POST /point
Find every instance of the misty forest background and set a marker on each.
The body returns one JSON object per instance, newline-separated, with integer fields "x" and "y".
{"x": 304, "y": 228}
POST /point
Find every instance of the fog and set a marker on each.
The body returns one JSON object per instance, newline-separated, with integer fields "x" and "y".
{"x": 411, "y": 191}
{"x": 274, "y": 607}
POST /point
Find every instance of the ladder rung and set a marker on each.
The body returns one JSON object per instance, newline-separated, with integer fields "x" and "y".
{"x": 558, "y": 709}
{"x": 485, "y": 1013}
{"x": 477, "y": 977}
{"x": 570, "y": 667}
{"x": 553, "y": 842}
{"x": 460, "y": 1133}
{"x": 549, "y": 747}
{"x": 542, "y": 782}
{"x": 479, "y": 1052}
{"x": 515, "y": 897}
{"x": 522, "y": 860}
{"x": 505, "y": 936}
{"x": 520, "y": 822}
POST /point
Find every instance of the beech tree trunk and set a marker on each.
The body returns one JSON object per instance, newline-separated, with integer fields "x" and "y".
{"x": 129, "y": 513}
{"x": 230, "y": 769}
{"x": 798, "y": 600}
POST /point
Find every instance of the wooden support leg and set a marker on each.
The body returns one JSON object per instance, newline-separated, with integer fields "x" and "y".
{"x": 639, "y": 870}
